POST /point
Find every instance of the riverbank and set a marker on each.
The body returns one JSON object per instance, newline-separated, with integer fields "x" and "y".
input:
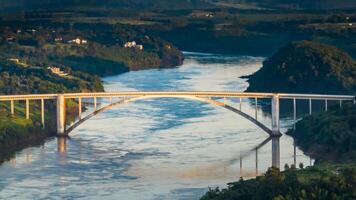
{"x": 17, "y": 132}
{"x": 55, "y": 58}
{"x": 329, "y": 137}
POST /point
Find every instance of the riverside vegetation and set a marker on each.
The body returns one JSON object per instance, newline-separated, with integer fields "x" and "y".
{"x": 306, "y": 67}
{"x": 329, "y": 137}
{"x": 30, "y": 50}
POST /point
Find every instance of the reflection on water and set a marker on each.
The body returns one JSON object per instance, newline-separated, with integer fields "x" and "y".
{"x": 62, "y": 144}
{"x": 156, "y": 149}
{"x": 275, "y": 154}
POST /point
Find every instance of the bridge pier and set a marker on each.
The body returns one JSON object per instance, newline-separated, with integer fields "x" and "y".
{"x": 275, "y": 115}
{"x": 256, "y": 107}
{"x": 275, "y": 152}
{"x": 27, "y": 109}
{"x": 294, "y": 113}
{"x": 240, "y": 104}
{"x": 61, "y": 114}
{"x": 310, "y": 107}
{"x": 12, "y": 107}
{"x": 80, "y": 108}
{"x": 42, "y": 113}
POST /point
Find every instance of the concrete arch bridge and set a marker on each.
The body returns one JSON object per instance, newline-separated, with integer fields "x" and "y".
{"x": 202, "y": 96}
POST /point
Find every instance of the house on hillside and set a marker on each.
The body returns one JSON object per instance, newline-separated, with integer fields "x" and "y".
{"x": 15, "y": 60}
{"x": 58, "y": 39}
{"x": 57, "y": 71}
{"x": 78, "y": 41}
{"x": 133, "y": 44}
{"x": 130, "y": 44}
{"x": 11, "y": 38}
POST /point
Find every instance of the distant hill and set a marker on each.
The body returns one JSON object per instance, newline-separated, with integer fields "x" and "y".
{"x": 293, "y": 4}
{"x": 306, "y": 67}
{"x": 26, "y": 5}
{"x": 21, "y": 5}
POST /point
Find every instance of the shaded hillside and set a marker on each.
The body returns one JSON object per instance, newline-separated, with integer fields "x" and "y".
{"x": 296, "y": 4}
{"x": 306, "y": 67}
{"x": 100, "y": 4}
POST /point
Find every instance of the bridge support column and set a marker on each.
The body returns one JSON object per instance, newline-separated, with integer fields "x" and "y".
{"x": 12, "y": 107}
{"x": 27, "y": 109}
{"x": 240, "y": 104}
{"x": 294, "y": 112}
{"x": 61, "y": 115}
{"x": 94, "y": 103}
{"x": 275, "y": 152}
{"x": 275, "y": 115}
{"x": 256, "y": 107}
{"x": 310, "y": 107}
{"x": 256, "y": 161}
{"x": 80, "y": 108}
{"x": 42, "y": 113}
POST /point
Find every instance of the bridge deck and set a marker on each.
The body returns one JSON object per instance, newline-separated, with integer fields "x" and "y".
{"x": 178, "y": 93}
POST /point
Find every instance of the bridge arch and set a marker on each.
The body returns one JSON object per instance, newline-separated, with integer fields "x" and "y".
{"x": 195, "y": 98}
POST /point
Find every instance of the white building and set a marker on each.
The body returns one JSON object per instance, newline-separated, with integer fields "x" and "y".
{"x": 133, "y": 44}
{"x": 57, "y": 70}
{"x": 78, "y": 41}
{"x": 130, "y": 44}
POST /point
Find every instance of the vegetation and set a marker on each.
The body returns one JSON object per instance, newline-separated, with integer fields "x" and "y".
{"x": 292, "y": 184}
{"x": 306, "y": 67}
{"x": 98, "y": 49}
{"x": 333, "y": 134}
{"x": 330, "y": 135}
{"x": 295, "y": 4}
{"x": 32, "y": 47}
{"x": 15, "y": 130}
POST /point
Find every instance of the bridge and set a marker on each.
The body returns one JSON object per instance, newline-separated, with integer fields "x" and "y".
{"x": 210, "y": 97}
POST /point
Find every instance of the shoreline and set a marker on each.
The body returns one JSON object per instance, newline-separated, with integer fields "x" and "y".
{"x": 16, "y": 144}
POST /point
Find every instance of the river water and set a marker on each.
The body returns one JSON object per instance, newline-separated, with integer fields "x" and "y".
{"x": 154, "y": 149}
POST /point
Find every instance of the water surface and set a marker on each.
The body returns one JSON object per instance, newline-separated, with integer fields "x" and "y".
{"x": 154, "y": 149}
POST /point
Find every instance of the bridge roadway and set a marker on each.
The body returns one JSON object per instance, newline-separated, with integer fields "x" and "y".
{"x": 177, "y": 93}
{"x": 204, "y": 96}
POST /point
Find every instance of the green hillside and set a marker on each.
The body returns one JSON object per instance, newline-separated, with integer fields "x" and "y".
{"x": 306, "y": 67}
{"x": 100, "y": 4}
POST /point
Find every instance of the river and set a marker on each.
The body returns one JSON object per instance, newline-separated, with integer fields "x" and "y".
{"x": 154, "y": 149}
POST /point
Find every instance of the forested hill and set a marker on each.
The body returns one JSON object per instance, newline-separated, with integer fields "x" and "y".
{"x": 26, "y": 5}
{"x": 293, "y": 4}
{"x": 306, "y": 67}
{"x": 20, "y": 5}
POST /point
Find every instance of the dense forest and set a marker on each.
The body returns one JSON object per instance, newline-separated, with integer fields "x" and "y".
{"x": 306, "y": 67}
{"x": 173, "y": 4}
{"x": 98, "y": 49}
{"x": 312, "y": 184}
{"x": 331, "y": 135}
{"x": 295, "y": 4}
{"x": 99, "y": 4}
